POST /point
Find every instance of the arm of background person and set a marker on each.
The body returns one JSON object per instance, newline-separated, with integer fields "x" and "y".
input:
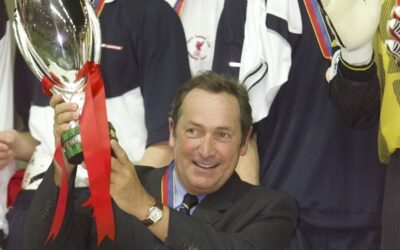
{"x": 353, "y": 83}
{"x": 355, "y": 94}
{"x": 249, "y": 165}
{"x": 157, "y": 155}
{"x": 16, "y": 144}
{"x": 164, "y": 61}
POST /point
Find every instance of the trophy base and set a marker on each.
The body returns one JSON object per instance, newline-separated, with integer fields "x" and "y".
{"x": 71, "y": 142}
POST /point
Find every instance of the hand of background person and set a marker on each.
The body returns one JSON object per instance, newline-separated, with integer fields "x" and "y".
{"x": 393, "y": 26}
{"x": 354, "y": 24}
{"x": 8, "y": 141}
{"x": 125, "y": 187}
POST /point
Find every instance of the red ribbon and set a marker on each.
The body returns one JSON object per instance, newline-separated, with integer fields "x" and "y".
{"x": 47, "y": 85}
{"x": 97, "y": 154}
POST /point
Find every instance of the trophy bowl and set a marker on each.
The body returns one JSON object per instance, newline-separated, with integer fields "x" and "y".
{"x": 57, "y": 38}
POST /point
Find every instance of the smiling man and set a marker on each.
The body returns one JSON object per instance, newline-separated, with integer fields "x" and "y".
{"x": 197, "y": 202}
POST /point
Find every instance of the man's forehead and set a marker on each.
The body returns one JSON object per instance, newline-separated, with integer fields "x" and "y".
{"x": 199, "y": 94}
{"x": 214, "y": 109}
{"x": 209, "y": 102}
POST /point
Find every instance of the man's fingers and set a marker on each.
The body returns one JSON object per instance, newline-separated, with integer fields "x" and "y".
{"x": 4, "y": 147}
{"x": 66, "y": 116}
{"x": 60, "y": 129}
{"x": 7, "y": 137}
{"x": 64, "y": 113}
{"x": 119, "y": 152}
{"x": 6, "y": 154}
{"x": 55, "y": 99}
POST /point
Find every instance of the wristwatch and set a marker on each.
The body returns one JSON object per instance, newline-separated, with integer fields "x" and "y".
{"x": 154, "y": 215}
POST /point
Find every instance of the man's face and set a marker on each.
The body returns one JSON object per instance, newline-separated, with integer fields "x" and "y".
{"x": 207, "y": 141}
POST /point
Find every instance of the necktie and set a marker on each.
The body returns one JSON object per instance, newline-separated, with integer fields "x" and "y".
{"x": 189, "y": 201}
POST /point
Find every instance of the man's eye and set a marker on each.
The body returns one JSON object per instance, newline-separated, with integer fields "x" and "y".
{"x": 191, "y": 132}
{"x": 223, "y": 135}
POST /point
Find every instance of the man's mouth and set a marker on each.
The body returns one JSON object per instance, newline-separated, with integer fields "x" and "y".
{"x": 205, "y": 165}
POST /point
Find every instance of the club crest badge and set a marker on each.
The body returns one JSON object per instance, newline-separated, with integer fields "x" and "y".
{"x": 198, "y": 47}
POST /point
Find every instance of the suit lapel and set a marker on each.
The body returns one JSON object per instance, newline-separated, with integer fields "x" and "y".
{"x": 212, "y": 208}
{"x": 151, "y": 179}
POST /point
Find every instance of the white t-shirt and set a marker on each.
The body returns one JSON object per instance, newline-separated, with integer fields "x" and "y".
{"x": 6, "y": 113}
{"x": 200, "y": 20}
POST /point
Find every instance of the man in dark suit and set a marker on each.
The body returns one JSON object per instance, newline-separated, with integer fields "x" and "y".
{"x": 210, "y": 124}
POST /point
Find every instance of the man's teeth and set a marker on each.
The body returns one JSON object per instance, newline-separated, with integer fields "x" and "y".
{"x": 205, "y": 165}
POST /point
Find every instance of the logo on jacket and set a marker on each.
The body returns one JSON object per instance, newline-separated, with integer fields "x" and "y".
{"x": 198, "y": 47}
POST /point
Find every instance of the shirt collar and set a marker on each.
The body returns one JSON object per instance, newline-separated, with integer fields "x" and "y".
{"x": 179, "y": 193}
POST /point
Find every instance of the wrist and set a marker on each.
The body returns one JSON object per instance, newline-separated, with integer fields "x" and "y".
{"x": 154, "y": 214}
{"x": 357, "y": 57}
{"x": 140, "y": 207}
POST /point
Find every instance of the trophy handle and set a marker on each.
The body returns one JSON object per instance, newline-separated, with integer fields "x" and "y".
{"x": 96, "y": 31}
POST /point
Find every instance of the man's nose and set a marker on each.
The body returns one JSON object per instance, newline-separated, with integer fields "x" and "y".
{"x": 207, "y": 146}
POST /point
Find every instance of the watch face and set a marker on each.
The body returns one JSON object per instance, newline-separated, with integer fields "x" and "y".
{"x": 155, "y": 214}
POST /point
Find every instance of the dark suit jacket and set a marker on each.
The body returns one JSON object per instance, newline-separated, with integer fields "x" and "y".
{"x": 238, "y": 216}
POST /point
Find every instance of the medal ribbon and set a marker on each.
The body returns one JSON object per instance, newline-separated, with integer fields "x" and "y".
{"x": 99, "y": 5}
{"x": 97, "y": 154}
{"x": 319, "y": 27}
{"x": 178, "y": 7}
{"x": 167, "y": 186}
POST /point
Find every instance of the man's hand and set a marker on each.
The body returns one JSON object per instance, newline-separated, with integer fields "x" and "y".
{"x": 8, "y": 141}
{"x": 393, "y": 26}
{"x": 129, "y": 194}
{"x": 125, "y": 186}
{"x": 64, "y": 113}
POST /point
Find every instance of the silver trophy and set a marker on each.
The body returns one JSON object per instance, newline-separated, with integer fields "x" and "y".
{"x": 57, "y": 38}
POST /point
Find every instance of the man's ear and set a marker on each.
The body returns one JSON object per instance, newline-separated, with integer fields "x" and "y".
{"x": 171, "y": 125}
{"x": 243, "y": 149}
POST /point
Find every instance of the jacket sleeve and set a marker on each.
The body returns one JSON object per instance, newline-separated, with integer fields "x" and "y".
{"x": 269, "y": 228}
{"x": 355, "y": 94}
{"x": 74, "y": 232}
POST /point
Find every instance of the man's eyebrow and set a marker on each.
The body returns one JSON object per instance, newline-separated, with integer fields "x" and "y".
{"x": 195, "y": 124}
{"x": 224, "y": 128}
{"x": 221, "y": 128}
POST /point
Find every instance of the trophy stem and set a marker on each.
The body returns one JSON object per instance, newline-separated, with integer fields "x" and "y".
{"x": 72, "y": 145}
